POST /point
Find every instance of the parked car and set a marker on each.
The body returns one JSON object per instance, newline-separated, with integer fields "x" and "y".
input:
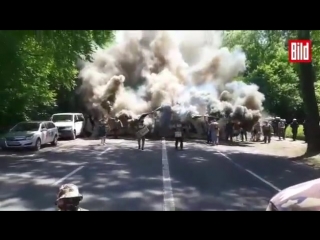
{"x": 32, "y": 134}
{"x": 301, "y": 197}
{"x": 70, "y": 125}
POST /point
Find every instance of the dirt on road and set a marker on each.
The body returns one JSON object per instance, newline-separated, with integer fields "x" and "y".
{"x": 293, "y": 150}
{"x": 283, "y": 148}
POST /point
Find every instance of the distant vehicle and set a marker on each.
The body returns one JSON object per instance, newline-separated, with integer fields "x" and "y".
{"x": 70, "y": 125}
{"x": 301, "y": 197}
{"x": 32, "y": 134}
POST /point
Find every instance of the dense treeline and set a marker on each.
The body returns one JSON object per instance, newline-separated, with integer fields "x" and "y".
{"x": 291, "y": 90}
{"x": 38, "y": 71}
{"x": 268, "y": 67}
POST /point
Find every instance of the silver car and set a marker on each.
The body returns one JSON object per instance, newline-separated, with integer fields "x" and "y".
{"x": 31, "y": 134}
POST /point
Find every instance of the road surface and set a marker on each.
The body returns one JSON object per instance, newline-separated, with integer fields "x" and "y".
{"x": 118, "y": 176}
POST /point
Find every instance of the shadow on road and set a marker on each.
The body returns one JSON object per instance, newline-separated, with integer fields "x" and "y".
{"x": 280, "y": 171}
{"x": 204, "y": 180}
{"x": 120, "y": 179}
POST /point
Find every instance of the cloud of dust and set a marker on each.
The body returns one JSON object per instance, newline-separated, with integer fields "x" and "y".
{"x": 187, "y": 71}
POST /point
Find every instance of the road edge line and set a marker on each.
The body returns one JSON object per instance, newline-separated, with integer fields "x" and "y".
{"x": 250, "y": 172}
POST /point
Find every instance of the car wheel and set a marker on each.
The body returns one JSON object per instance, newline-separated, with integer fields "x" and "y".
{"x": 74, "y": 136}
{"x": 55, "y": 141}
{"x": 37, "y": 147}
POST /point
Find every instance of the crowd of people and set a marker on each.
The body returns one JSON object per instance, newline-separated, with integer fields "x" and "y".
{"x": 277, "y": 127}
{"x": 261, "y": 131}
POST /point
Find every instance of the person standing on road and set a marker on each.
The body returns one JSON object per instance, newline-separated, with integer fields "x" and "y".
{"x": 115, "y": 124}
{"x": 294, "y": 128}
{"x": 275, "y": 124}
{"x": 212, "y": 132}
{"x": 254, "y": 133}
{"x": 267, "y": 132}
{"x": 281, "y": 129}
{"x": 285, "y": 127}
{"x": 214, "y": 128}
{"x": 229, "y": 131}
{"x": 236, "y": 130}
{"x": 102, "y": 132}
{"x": 69, "y": 198}
{"x": 243, "y": 133}
{"x": 259, "y": 131}
{"x": 208, "y": 132}
{"x": 178, "y": 134}
{"x": 141, "y": 138}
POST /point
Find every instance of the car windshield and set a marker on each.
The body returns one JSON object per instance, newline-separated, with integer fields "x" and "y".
{"x": 22, "y": 127}
{"x": 62, "y": 118}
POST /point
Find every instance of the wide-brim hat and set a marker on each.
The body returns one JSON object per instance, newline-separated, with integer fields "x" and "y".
{"x": 68, "y": 191}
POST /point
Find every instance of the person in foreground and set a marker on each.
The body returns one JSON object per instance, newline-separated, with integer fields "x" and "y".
{"x": 301, "y": 197}
{"x": 69, "y": 198}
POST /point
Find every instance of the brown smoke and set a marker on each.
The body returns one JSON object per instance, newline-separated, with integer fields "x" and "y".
{"x": 188, "y": 70}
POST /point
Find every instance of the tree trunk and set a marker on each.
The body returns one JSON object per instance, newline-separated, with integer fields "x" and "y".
{"x": 307, "y": 79}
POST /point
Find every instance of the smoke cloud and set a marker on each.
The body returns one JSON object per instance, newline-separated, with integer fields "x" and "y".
{"x": 187, "y": 71}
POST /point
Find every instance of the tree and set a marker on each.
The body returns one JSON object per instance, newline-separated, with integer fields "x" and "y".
{"x": 307, "y": 79}
{"x": 37, "y": 65}
{"x": 268, "y": 67}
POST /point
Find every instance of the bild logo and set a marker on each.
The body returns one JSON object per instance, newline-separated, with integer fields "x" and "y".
{"x": 299, "y": 51}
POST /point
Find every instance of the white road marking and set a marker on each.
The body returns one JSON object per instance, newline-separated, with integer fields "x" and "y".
{"x": 107, "y": 149}
{"x": 31, "y": 155}
{"x": 250, "y": 172}
{"x": 67, "y": 176}
{"x": 104, "y": 151}
{"x": 168, "y": 200}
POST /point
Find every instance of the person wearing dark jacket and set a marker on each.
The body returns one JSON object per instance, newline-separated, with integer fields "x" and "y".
{"x": 274, "y": 125}
{"x": 229, "y": 131}
{"x": 294, "y": 128}
{"x": 178, "y": 134}
{"x": 208, "y": 132}
{"x": 267, "y": 130}
{"x": 285, "y": 128}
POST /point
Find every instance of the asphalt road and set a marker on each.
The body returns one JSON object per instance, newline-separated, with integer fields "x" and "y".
{"x": 118, "y": 176}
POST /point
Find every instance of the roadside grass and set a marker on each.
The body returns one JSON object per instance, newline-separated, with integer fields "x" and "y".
{"x": 310, "y": 159}
{"x": 296, "y": 151}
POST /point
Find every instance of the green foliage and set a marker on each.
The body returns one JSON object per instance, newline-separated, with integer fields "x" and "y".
{"x": 268, "y": 67}
{"x": 36, "y": 65}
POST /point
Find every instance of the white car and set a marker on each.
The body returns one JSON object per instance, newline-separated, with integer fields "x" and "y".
{"x": 32, "y": 134}
{"x": 70, "y": 125}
